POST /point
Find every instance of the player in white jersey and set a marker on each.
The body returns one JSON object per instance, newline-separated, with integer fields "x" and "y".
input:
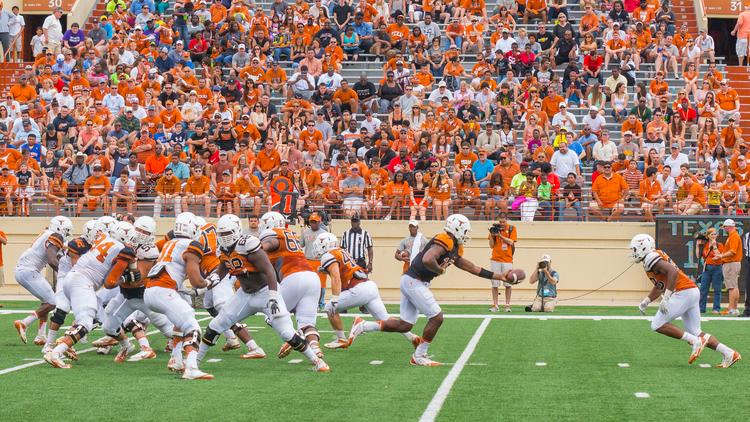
{"x": 77, "y": 247}
{"x": 44, "y": 251}
{"x": 103, "y": 265}
{"x": 108, "y": 224}
{"x": 243, "y": 257}
{"x": 179, "y": 259}
{"x": 350, "y": 288}
{"x": 127, "y": 311}
{"x": 217, "y": 296}
{"x": 300, "y": 286}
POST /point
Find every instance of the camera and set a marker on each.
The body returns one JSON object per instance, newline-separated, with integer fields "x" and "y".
{"x": 542, "y": 265}
{"x": 701, "y": 235}
{"x": 495, "y": 229}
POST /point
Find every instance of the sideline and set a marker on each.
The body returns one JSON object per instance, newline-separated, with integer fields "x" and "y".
{"x": 40, "y": 362}
{"x": 533, "y": 315}
{"x": 433, "y": 408}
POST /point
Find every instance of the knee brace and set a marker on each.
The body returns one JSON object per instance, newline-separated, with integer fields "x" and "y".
{"x": 236, "y": 328}
{"x": 210, "y": 336}
{"x": 76, "y": 332}
{"x": 192, "y": 339}
{"x": 133, "y": 327}
{"x": 310, "y": 331}
{"x": 212, "y": 311}
{"x": 59, "y": 317}
{"x": 298, "y": 343}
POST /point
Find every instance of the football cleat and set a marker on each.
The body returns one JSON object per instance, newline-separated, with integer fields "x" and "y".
{"x": 196, "y": 374}
{"x": 727, "y": 362}
{"x": 103, "y": 350}
{"x": 46, "y": 349}
{"x": 231, "y": 344}
{"x": 175, "y": 365}
{"x": 55, "y": 360}
{"x": 71, "y": 354}
{"x": 357, "y": 328}
{"x": 698, "y": 347}
{"x": 104, "y": 342}
{"x": 40, "y": 340}
{"x": 256, "y": 353}
{"x": 144, "y": 354}
{"x": 423, "y": 361}
{"x": 339, "y": 343}
{"x": 321, "y": 366}
{"x": 286, "y": 348}
{"x": 122, "y": 355}
{"x": 21, "y": 328}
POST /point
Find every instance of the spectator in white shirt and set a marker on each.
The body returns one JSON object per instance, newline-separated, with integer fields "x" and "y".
{"x": 604, "y": 149}
{"x": 505, "y": 42}
{"x": 666, "y": 181}
{"x": 564, "y": 119}
{"x": 706, "y": 43}
{"x": 565, "y": 161}
{"x": 594, "y": 120}
{"x": 676, "y": 159}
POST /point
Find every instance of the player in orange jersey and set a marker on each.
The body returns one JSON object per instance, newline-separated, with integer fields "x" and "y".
{"x": 679, "y": 299}
{"x": 350, "y": 288}
{"x": 300, "y": 286}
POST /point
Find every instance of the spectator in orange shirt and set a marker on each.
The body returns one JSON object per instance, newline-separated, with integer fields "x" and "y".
{"x": 397, "y": 195}
{"x": 695, "y": 200}
{"x": 608, "y": 191}
{"x": 729, "y": 102}
{"x": 57, "y": 190}
{"x": 168, "y": 189}
{"x": 197, "y": 190}
{"x": 95, "y": 191}
{"x": 23, "y": 92}
{"x": 156, "y": 164}
{"x": 535, "y": 9}
{"x": 346, "y": 98}
{"x": 226, "y": 194}
{"x": 268, "y": 160}
{"x": 399, "y": 33}
{"x": 8, "y": 186}
{"x": 248, "y": 191}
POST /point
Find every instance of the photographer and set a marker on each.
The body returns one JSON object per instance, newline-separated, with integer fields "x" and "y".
{"x": 712, "y": 275}
{"x": 503, "y": 237}
{"x": 546, "y": 291}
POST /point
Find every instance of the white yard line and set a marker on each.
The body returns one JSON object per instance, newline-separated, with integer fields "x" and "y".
{"x": 433, "y": 408}
{"x": 80, "y": 352}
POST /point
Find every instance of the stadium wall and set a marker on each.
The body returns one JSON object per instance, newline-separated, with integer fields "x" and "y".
{"x": 587, "y": 255}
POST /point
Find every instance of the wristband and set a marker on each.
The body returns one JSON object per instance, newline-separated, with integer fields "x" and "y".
{"x": 646, "y": 301}
{"x": 486, "y": 274}
{"x": 334, "y": 299}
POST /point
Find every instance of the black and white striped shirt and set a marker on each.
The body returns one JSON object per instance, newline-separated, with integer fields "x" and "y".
{"x": 356, "y": 243}
{"x": 746, "y": 244}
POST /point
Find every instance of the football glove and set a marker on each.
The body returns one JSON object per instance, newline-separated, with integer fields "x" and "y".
{"x": 273, "y": 303}
{"x": 212, "y": 280}
{"x": 131, "y": 277}
{"x": 332, "y": 306}
{"x": 664, "y": 304}
{"x": 644, "y": 304}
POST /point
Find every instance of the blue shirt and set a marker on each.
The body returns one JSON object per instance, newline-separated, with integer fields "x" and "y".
{"x": 181, "y": 170}
{"x": 481, "y": 170}
{"x": 35, "y": 151}
{"x": 135, "y": 7}
{"x": 576, "y": 147}
{"x": 363, "y": 30}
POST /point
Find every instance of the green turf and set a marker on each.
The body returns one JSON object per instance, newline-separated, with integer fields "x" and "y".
{"x": 580, "y": 382}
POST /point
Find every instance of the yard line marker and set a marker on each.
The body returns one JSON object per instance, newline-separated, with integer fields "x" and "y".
{"x": 376, "y": 362}
{"x": 476, "y": 364}
{"x": 623, "y": 365}
{"x": 433, "y": 408}
{"x": 596, "y": 319}
{"x": 214, "y": 360}
{"x": 704, "y": 365}
{"x": 541, "y": 364}
{"x": 295, "y": 361}
{"x": 32, "y": 359}
{"x": 80, "y": 352}
{"x": 643, "y": 395}
{"x": 542, "y": 318}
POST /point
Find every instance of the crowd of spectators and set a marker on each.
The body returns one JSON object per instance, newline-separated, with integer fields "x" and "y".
{"x": 227, "y": 106}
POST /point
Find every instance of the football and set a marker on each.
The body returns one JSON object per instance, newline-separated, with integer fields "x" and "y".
{"x": 515, "y": 276}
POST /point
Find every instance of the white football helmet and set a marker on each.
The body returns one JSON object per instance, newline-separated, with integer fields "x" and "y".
{"x": 91, "y": 231}
{"x": 641, "y": 245}
{"x": 107, "y": 223}
{"x": 124, "y": 233}
{"x": 272, "y": 220}
{"x": 325, "y": 242}
{"x": 459, "y": 226}
{"x": 229, "y": 228}
{"x": 145, "y": 230}
{"x": 61, "y": 225}
{"x": 185, "y": 225}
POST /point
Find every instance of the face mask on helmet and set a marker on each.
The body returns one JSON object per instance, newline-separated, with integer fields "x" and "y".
{"x": 145, "y": 230}
{"x": 229, "y": 230}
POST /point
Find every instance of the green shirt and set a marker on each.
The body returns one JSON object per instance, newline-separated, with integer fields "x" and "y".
{"x": 544, "y": 191}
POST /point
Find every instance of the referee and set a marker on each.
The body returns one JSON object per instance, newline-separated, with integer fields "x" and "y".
{"x": 358, "y": 243}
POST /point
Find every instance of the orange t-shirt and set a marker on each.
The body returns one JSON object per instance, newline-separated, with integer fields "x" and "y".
{"x": 609, "y": 190}
{"x": 733, "y": 243}
{"x": 97, "y": 185}
{"x": 502, "y": 252}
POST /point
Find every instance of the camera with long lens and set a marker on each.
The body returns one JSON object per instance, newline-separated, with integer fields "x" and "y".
{"x": 495, "y": 229}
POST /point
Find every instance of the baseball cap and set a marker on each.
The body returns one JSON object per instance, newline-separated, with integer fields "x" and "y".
{"x": 414, "y": 223}
{"x": 627, "y": 132}
{"x": 226, "y": 173}
{"x": 593, "y": 108}
{"x": 545, "y": 258}
{"x": 675, "y": 145}
{"x": 562, "y": 104}
{"x": 442, "y": 83}
{"x": 314, "y": 217}
{"x": 80, "y": 154}
{"x": 728, "y": 223}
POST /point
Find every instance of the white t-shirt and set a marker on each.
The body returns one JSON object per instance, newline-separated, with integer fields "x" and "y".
{"x": 564, "y": 163}
{"x": 675, "y": 162}
{"x": 15, "y": 24}
{"x": 54, "y": 29}
{"x": 127, "y": 187}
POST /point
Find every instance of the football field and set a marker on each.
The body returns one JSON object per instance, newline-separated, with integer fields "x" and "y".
{"x": 579, "y": 364}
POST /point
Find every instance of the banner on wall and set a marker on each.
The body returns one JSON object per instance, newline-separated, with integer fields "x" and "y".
{"x": 676, "y": 235}
{"x": 721, "y": 8}
{"x": 47, "y": 5}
